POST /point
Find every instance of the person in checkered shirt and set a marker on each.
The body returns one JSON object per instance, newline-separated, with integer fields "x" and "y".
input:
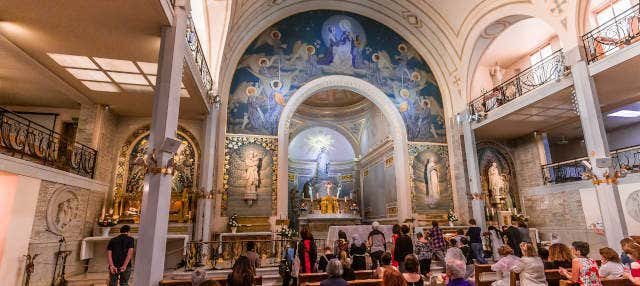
{"x": 436, "y": 240}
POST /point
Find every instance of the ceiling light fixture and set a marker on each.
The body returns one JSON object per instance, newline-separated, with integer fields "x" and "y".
{"x": 101, "y": 86}
{"x": 148, "y": 68}
{"x": 128, "y": 78}
{"x": 625, "y": 113}
{"x": 117, "y": 65}
{"x": 91, "y": 75}
{"x": 136, "y": 88}
{"x": 71, "y": 61}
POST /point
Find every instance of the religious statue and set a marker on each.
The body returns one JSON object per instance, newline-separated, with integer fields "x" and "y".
{"x": 329, "y": 204}
{"x": 496, "y": 183}
{"x": 66, "y": 213}
{"x": 322, "y": 168}
{"x": 433, "y": 182}
{"x": 252, "y": 176}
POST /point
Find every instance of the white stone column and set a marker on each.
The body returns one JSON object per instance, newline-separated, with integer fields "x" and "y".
{"x": 205, "y": 203}
{"x": 152, "y": 239}
{"x": 473, "y": 172}
{"x": 595, "y": 138}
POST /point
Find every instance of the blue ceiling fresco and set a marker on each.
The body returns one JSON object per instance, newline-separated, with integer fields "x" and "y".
{"x": 313, "y": 44}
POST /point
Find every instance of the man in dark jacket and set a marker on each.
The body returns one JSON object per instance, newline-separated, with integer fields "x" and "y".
{"x": 404, "y": 247}
{"x": 119, "y": 255}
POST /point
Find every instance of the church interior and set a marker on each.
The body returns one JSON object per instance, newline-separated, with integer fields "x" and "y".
{"x": 209, "y": 125}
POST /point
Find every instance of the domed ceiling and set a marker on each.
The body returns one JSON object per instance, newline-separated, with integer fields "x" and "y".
{"x": 334, "y": 98}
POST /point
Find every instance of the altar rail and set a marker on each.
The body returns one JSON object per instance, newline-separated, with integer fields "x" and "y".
{"x": 25, "y": 139}
{"x": 571, "y": 170}
{"x": 548, "y": 69}
{"x": 621, "y": 31}
{"x": 222, "y": 254}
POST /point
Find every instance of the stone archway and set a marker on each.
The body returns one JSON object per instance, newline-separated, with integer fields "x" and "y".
{"x": 382, "y": 101}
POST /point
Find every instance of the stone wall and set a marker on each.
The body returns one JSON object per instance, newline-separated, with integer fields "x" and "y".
{"x": 107, "y": 150}
{"x": 81, "y": 220}
{"x": 558, "y": 209}
{"x": 527, "y": 162}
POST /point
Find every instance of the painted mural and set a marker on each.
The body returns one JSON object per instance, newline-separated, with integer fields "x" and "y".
{"x": 431, "y": 184}
{"x": 497, "y": 172}
{"x": 317, "y": 43}
{"x": 250, "y": 176}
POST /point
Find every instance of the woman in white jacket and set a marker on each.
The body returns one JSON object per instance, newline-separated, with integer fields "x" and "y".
{"x": 530, "y": 267}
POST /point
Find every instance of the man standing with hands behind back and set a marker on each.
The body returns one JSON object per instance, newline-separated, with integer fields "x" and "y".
{"x": 119, "y": 254}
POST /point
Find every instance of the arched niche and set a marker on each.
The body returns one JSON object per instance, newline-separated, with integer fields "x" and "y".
{"x": 129, "y": 177}
{"x": 382, "y": 101}
{"x": 490, "y": 152}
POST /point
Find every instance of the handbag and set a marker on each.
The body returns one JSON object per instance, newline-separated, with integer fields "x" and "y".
{"x": 295, "y": 268}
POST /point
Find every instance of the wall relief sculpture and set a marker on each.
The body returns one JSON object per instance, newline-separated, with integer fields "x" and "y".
{"x": 62, "y": 211}
{"x": 127, "y": 201}
{"x": 250, "y": 176}
{"x": 431, "y": 185}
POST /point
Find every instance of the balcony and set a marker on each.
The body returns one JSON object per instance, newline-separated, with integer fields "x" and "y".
{"x": 548, "y": 69}
{"x": 617, "y": 33}
{"x": 197, "y": 54}
{"x": 27, "y": 140}
{"x": 627, "y": 159}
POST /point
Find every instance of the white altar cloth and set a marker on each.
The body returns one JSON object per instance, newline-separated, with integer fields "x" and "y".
{"x": 87, "y": 247}
{"x": 362, "y": 231}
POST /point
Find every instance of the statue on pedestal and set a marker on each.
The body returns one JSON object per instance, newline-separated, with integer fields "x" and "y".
{"x": 252, "y": 176}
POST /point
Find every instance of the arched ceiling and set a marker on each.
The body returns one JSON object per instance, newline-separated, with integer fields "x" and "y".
{"x": 443, "y": 32}
{"x": 334, "y": 98}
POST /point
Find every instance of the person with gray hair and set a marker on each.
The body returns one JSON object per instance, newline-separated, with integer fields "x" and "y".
{"x": 198, "y": 277}
{"x": 456, "y": 271}
{"x": 377, "y": 244}
{"x": 334, "y": 270}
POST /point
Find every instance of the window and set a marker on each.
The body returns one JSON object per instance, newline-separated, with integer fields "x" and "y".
{"x": 540, "y": 72}
{"x": 607, "y": 11}
{"x": 540, "y": 54}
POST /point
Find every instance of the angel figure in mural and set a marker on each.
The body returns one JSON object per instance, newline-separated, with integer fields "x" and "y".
{"x": 322, "y": 163}
{"x": 496, "y": 182}
{"x": 252, "y": 175}
{"x": 432, "y": 178}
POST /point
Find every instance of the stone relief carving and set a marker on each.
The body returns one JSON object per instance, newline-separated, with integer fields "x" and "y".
{"x": 62, "y": 210}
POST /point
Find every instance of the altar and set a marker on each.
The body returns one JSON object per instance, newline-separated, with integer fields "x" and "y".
{"x": 94, "y": 248}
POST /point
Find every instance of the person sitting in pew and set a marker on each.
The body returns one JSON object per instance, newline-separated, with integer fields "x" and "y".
{"x": 611, "y": 266}
{"x": 334, "y": 270}
{"x": 242, "y": 273}
{"x": 584, "y": 270}
{"x": 385, "y": 262}
{"x": 347, "y": 273}
{"x": 393, "y": 277}
{"x": 559, "y": 256}
{"x": 504, "y": 265}
{"x": 530, "y": 267}
{"x": 456, "y": 269}
{"x": 633, "y": 251}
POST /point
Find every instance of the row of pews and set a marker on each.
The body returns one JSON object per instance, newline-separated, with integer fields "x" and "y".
{"x": 363, "y": 278}
{"x": 483, "y": 278}
{"x": 214, "y": 281}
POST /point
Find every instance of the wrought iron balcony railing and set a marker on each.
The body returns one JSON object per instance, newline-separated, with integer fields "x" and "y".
{"x": 198, "y": 55}
{"x": 621, "y": 31}
{"x": 571, "y": 171}
{"x": 548, "y": 69}
{"x": 25, "y": 139}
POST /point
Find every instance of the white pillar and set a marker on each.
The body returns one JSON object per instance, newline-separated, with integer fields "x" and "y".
{"x": 152, "y": 239}
{"x": 203, "y": 220}
{"x": 475, "y": 183}
{"x": 595, "y": 138}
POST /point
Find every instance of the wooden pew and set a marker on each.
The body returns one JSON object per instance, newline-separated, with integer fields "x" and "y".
{"x": 481, "y": 269}
{"x": 605, "y": 282}
{"x": 551, "y": 275}
{"x": 363, "y": 282}
{"x": 317, "y": 277}
{"x": 221, "y": 281}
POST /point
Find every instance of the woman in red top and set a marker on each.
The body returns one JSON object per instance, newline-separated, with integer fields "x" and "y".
{"x": 307, "y": 252}
{"x": 633, "y": 250}
{"x": 396, "y": 233}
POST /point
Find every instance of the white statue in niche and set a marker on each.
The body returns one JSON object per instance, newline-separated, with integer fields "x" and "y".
{"x": 496, "y": 182}
{"x": 433, "y": 185}
{"x": 252, "y": 162}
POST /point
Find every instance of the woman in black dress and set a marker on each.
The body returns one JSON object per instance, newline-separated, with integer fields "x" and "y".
{"x": 358, "y": 250}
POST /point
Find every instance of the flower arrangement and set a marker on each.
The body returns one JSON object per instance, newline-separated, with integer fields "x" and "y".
{"x": 107, "y": 221}
{"x": 233, "y": 221}
{"x": 287, "y": 233}
{"x": 451, "y": 216}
